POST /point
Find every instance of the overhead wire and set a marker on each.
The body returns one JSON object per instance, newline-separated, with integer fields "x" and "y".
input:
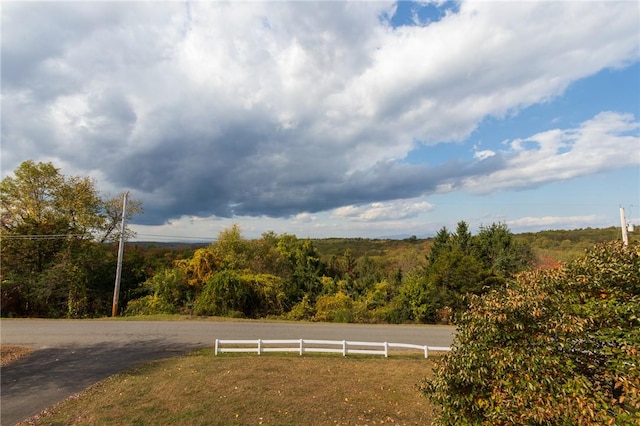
{"x": 59, "y": 236}
{"x": 40, "y": 237}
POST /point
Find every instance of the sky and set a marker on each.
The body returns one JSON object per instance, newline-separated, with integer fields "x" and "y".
{"x": 332, "y": 119}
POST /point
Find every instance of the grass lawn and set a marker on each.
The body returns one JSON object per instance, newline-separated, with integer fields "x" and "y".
{"x": 234, "y": 389}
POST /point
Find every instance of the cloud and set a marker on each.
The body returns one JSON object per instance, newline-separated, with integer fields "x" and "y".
{"x": 556, "y": 222}
{"x": 383, "y": 211}
{"x": 277, "y": 109}
{"x": 483, "y": 154}
{"x": 304, "y": 218}
{"x": 599, "y": 144}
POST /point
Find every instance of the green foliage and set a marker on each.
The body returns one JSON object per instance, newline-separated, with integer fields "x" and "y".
{"x": 459, "y": 265}
{"x": 271, "y": 298}
{"x": 224, "y": 293}
{"x": 441, "y": 243}
{"x": 412, "y": 303}
{"x": 553, "y": 347}
{"x": 334, "y": 308}
{"x": 199, "y": 268}
{"x": 41, "y": 194}
{"x": 51, "y": 228}
{"x": 257, "y": 278}
{"x": 306, "y": 271}
{"x": 359, "y": 247}
{"x": 72, "y": 278}
{"x": 169, "y": 291}
{"x": 567, "y": 245}
{"x": 380, "y": 295}
{"x": 462, "y": 239}
{"x": 151, "y": 304}
{"x": 303, "y": 310}
{"x": 453, "y": 276}
{"x": 500, "y": 252}
{"x": 231, "y": 250}
{"x": 368, "y": 287}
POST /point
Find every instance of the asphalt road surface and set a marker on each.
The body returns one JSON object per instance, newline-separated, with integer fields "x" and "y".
{"x": 74, "y": 354}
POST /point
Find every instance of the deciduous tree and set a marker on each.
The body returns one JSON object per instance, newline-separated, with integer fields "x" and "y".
{"x": 47, "y": 221}
{"x": 557, "y": 346}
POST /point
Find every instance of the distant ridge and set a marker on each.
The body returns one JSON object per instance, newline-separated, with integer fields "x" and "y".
{"x": 168, "y": 244}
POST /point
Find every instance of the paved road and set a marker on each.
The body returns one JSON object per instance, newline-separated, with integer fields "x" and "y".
{"x": 73, "y": 354}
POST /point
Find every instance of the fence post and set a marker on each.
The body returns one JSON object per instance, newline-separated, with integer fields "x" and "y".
{"x": 301, "y": 347}
{"x": 216, "y": 346}
{"x": 386, "y": 350}
{"x": 344, "y": 348}
{"x": 426, "y": 351}
{"x": 259, "y": 346}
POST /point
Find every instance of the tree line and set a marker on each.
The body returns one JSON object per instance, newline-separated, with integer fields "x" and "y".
{"x": 58, "y": 260}
{"x": 284, "y": 276}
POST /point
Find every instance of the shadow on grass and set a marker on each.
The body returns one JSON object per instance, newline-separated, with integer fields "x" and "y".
{"x": 48, "y": 376}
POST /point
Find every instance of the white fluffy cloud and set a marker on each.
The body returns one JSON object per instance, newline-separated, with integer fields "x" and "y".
{"x": 383, "y": 211}
{"x": 556, "y": 222}
{"x": 607, "y": 141}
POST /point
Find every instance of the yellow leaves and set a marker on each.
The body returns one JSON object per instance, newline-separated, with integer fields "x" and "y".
{"x": 199, "y": 268}
{"x": 482, "y": 403}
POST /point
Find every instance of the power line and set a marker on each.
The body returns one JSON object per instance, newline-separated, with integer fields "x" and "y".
{"x": 41, "y": 236}
{"x": 61, "y": 236}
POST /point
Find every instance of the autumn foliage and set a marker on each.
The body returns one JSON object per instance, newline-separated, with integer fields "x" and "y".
{"x": 557, "y": 347}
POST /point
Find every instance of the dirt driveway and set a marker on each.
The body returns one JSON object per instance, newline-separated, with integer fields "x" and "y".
{"x": 73, "y": 354}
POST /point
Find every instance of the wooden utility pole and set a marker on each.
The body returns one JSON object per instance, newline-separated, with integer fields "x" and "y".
{"x": 623, "y": 222}
{"x": 116, "y": 290}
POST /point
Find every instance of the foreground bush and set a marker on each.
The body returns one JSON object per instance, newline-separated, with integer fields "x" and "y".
{"x": 555, "y": 347}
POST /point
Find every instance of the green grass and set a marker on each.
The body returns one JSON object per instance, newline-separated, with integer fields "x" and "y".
{"x": 202, "y": 389}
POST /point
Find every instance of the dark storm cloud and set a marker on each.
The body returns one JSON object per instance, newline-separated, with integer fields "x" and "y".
{"x": 203, "y": 184}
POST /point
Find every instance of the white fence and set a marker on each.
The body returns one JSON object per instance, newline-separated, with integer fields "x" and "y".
{"x": 301, "y": 346}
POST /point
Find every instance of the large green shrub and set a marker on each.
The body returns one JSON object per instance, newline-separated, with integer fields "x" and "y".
{"x": 270, "y": 294}
{"x": 169, "y": 291}
{"x": 559, "y": 347}
{"x": 151, "y": 304}
{"x": 334, "y": 308}
{"x": 227, "y": 293}
{"x": 303, "y": 310}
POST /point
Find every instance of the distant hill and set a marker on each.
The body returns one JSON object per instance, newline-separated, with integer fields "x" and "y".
{"x": 558, "y": 245}
{"x": 174, "y": 245}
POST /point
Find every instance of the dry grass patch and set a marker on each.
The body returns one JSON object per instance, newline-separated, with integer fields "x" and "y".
{"x": 9, "y": 353}
{"x": 202, "y": 389}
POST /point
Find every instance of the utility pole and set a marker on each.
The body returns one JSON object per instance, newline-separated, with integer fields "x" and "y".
{"x": 116, "y": 290}
{"x": 623, "y": 222}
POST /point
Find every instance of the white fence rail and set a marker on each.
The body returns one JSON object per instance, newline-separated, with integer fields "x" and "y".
{"x": 302, "y": 346}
